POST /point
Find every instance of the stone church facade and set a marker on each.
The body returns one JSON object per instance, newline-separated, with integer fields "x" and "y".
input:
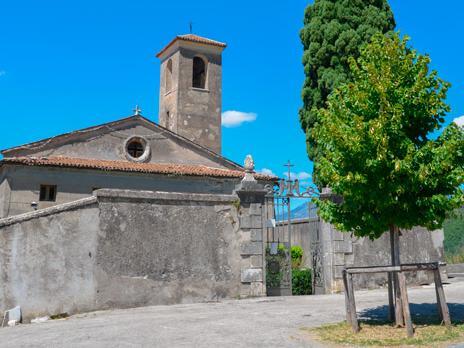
{"x": 131, "y": 212}
{"x": 181, "y": 154}
{"x": 134, "y": 213}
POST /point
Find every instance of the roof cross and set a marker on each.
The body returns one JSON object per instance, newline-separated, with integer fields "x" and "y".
{"x": 289, "y": 165}
{"x": 137, "y": 111}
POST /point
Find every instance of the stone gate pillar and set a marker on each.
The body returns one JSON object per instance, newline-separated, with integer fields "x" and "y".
{"x": 251, "y": 220}
{"x": 337, "y": 249}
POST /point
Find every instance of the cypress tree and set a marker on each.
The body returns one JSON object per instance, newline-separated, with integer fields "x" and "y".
{"x": 334, "y": 31}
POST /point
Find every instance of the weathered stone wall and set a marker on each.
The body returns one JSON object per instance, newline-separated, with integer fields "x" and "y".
{"x": 339, "y": 250}
{"x": 199, "y": 111}
{"x": 416, "y": 245}
{"x": 193, "y": 112}
{"x": 4, "y": 193}
{"x": 164, "y": 248}
{"x": 131, "y": 248}
{"x": 73, "y": 184}
{"x": 47, "y": 260}
{"x": 107, "y": 143}
{"x": 253, "y": 275}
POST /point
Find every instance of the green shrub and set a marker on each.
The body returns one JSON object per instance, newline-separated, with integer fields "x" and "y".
{"x": 301, "y": 281}
{"x": 297, "y": 256}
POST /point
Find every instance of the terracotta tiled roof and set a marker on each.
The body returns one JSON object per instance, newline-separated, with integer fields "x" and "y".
{"x": 192, "y": 38}
{"x": 126, "y": 166}
{"x": 113, "y": 124}
{"x": 196, "y": 38}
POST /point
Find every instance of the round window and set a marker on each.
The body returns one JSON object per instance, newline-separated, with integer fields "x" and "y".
{"x": 137, "y": 149}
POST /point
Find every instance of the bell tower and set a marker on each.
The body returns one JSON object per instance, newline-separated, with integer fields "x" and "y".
{"x": 191, "y": 89}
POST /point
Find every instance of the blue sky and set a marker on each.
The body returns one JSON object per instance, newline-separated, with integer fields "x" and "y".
{"x": 69, "y": 65}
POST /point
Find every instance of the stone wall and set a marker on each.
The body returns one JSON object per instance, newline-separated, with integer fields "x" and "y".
{"x": 165, "y": 248}
{"x": 4, "y": 194}
{"x": 47, "y": 260}
{"x": 194, "y": 113}
{"x": 416, "y": 245}
{"x": 251, "y": 214}
{"x": 131, "y": 248}
{"x": 107, "y": 142}
{"x": 74, "y": 184}
{"x": 339, "y": 250}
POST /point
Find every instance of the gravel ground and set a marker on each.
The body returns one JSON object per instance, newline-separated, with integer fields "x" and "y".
{"x": 263, "y": 322}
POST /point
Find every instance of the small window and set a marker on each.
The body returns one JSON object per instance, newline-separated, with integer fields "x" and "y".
{"x": 168, "y": 76}
{"x": 199, "y": 73}
{"x": 135, "y": 149}
{"x": 48, "y": 193}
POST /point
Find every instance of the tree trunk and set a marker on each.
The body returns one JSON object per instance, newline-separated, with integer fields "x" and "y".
{"x": 395, "y": 257}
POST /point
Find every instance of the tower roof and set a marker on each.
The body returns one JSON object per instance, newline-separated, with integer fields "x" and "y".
{"x": 192, "y": 38}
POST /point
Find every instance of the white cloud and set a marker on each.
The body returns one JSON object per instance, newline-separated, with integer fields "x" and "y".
{"x": 303, "y": 176}
{"x": 234, "y": 118}
{"x": 2, "y": 72}
{"x": 266, "y": 171}
{"x": 459, "y": 121}
{"x": 299, "y": 176}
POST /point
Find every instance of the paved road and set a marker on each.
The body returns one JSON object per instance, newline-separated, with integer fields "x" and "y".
{"x": 264, "y": 322}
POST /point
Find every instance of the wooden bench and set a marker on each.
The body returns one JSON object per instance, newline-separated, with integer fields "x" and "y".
{"x": 434, "y": 267}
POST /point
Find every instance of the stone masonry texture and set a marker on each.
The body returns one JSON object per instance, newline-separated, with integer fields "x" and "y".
{"x": 127, "y": 249}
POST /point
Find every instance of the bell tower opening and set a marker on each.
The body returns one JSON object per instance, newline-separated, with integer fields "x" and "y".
{"x": 191, "y": 89}
{"x": 199, "y": 73}
{"x": 169, "y": 76}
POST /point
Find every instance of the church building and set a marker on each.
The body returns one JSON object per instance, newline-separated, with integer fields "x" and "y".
{"x": 180, "y": 154}
{"x": 134, "y": 213}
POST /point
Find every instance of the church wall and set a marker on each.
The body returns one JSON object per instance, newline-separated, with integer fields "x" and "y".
{"x": 4, "y": 193}
{"x": 166, "y": 248}
{"x": 123, "y": 248}
{"x": 199, "y": 111}
{"x": 168, "y": 99}
{"x": 110, "y": 146}
{"x": 73, "y": 184}
{"x": 47, "y": 262}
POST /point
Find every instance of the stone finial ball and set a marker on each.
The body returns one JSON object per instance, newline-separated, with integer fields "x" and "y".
{"x": 249, "y": 163}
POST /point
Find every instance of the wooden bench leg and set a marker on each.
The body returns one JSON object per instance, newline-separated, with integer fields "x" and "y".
{"x": 352, "y": 304}
{"x": 405, "y": 303}
{"x": 391, "y": 304}
{"x": 440, "y": 314}
{"x": 347, "y": 297}
{"x": 399, "y": 317}
{"x": 441, "y": 301}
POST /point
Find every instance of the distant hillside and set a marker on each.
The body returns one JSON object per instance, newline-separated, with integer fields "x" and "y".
{"x": 301, "y": 211}
{"x": 454, "y": 237}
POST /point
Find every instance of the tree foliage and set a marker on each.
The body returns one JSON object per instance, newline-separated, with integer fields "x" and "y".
{"x": 334, "y": 31}
{"x": 378, "y": 154}
{"x": 454, "y": 233}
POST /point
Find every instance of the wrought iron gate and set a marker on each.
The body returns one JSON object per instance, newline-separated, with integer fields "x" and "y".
{"x": 278, "y": 234}
{"x": 316, "y": 241}
{"x": 278, "y": 246}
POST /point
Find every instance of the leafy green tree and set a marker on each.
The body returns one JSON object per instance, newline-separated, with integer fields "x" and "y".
{"x": 334, "y": 31}
{"x": 378, "y": 151}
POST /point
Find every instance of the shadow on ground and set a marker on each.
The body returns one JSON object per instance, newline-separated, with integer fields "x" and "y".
{"x": 421, "y": 313}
